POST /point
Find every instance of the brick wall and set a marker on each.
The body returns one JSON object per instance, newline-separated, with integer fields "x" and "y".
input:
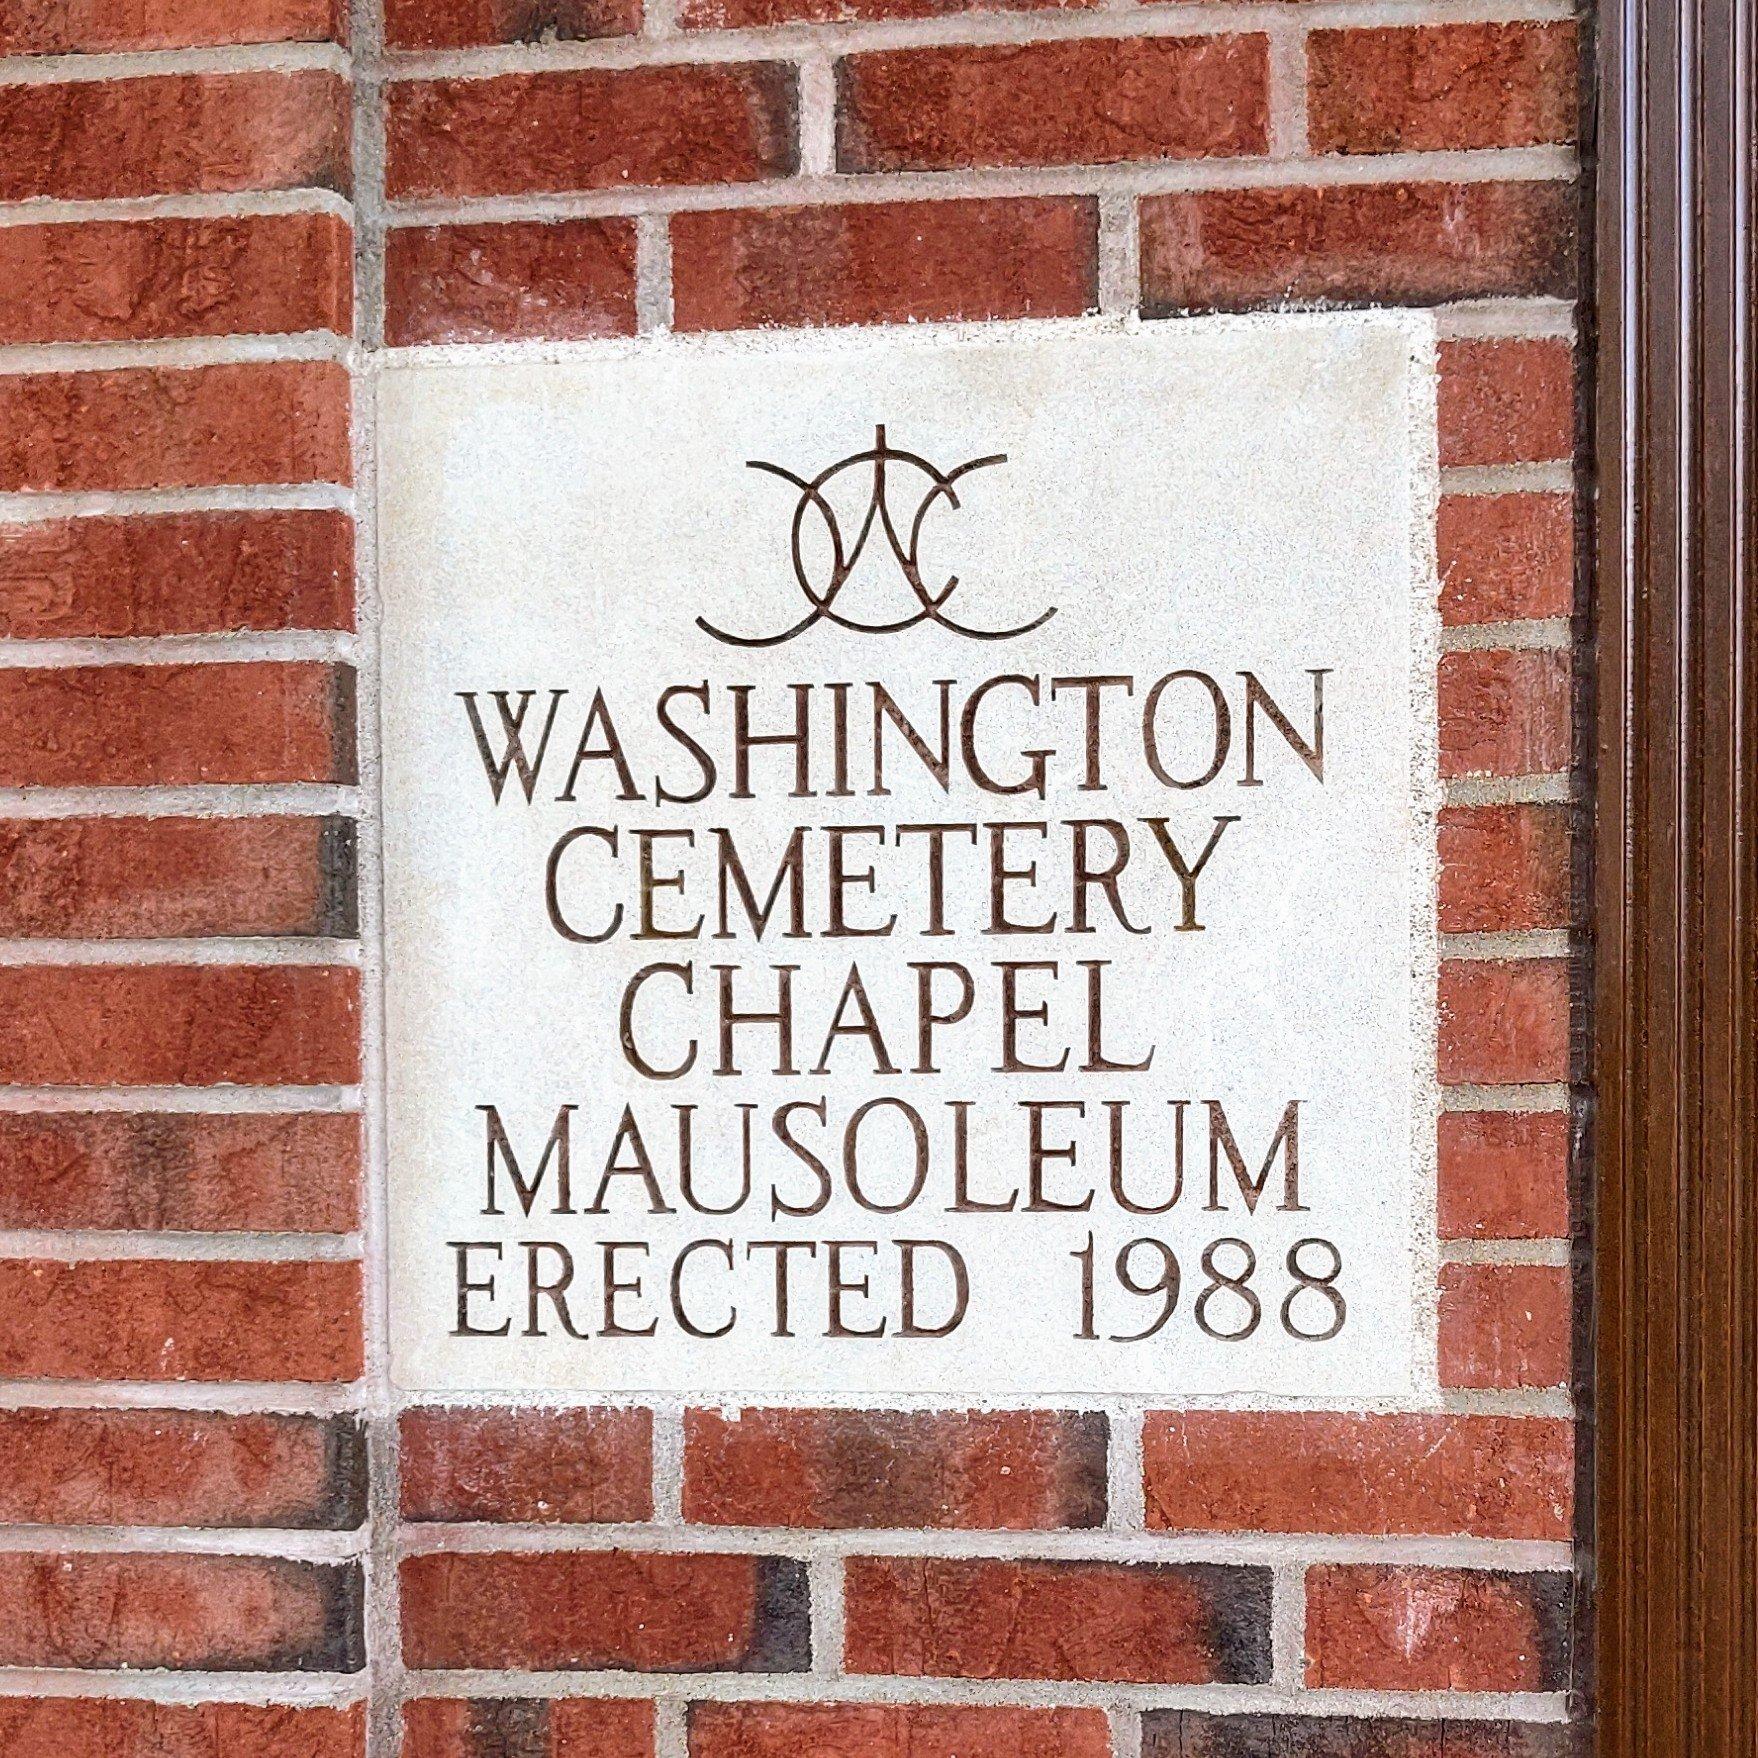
{"x": 223, "y": 1541}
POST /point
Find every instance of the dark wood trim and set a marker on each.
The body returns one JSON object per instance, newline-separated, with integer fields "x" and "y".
{"x": 1676, "y": 878}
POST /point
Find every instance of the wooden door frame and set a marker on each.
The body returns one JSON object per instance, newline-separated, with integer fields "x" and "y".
{"x": 1673, "y": 1098}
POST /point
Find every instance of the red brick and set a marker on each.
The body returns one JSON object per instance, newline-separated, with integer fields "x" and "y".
{"x": 120, "y": 1727}
{"x": 886, "y": 262}
{"x": 1139, "y": 1623}
{"x": 120, "y": 281}
{"x": 176, "y": 574}
{"x": 465, "y": 24}
{"x": 1184, "y": 1733}
{"x": 1409, "y": 1629}
{"x": 1504, "y": 1325}
{"x": 1023, "y": 1470}
{"x": 179, "y": 1172}
{"x": 1504, "y": 868}
{"x": 1273, "y": 1471}
{"x": 183, "y": 427}
{"x": 158, "y": 1319}
{"x": 883, "y": 1730}
{"x": 1087, "y": 101}
{"x": 67, "y": 27}
{"x": 98, "y": 877}
{"x": 585, "y": 1466}
{"x": 590, "y": 129}
{"x": 1355, "y": 244}
{"x": 141, "y": 725}
{"x": 1507, "y": 401}
{"x": 1431, "y": 88}
{"x": 527, "y": 1727}
{"x": 180, "y": 1468}
{"x": 759, "y": 14}
{"x": 187, "y": 1613}
{"x": 561, "y": 279}
{"x": 174, "y": 134}
{"x": 1504, "y": 1021}
{"x": 597, "y": 1610}
{"x": 179, "y": 1025}
{"x": 1505, "y": 712}
{"x": 1504, "y": 1175}
{"x": 1504, "y": 557}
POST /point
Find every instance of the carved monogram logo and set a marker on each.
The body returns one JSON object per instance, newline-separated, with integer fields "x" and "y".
{"x": 890, "y": 469}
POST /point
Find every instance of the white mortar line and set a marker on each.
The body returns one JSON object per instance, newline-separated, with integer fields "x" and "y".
{"x": 293, "y": 1690}
{"x": 1119, "y": 255}
{"x": 668, "y": 1462}
{"x": 1510, "y": 790}
{"x": 974, "y": 28}
{"x": 1126, "y": 1732}
{"x": 1522, "y": 943}
{"x": 653, "y": 313}
{"x": 1544, "y": 634}
{"x": 274, "y": 645}
{"x": 244, "y": 204}
{"x": 171, "y": 353}
{"x": 817, "y": 100}
{"x": 1287, "y": 96}
{"x": 186, "y": 1101}
{"x": 671, "y": 1736}
{"x": 824, "y": 1585}
{"x": 1533, "y": 1401}
{"x": 81, "y": 1245}
{"x": 1244, "y": 1549}
{"x": 1125, "y": 1491}
{"x": 339, "y": 954}
{"x": 1158, "y": 177}
{"x": 1545, "y": 1253}
{"x": 1553, "y": 478}
{"x": 1288, "y": 1625}
{"x": 34, "y": 507}
{"x": 297, "y": 798}
{"x": 1487, "y": 319}
{"x": 1540, "y": 1096}
{"x": 290, "y": 1397}
{"x": 888, "y": 1688}
{"x": 148, "y": 63}
{"x": 195, "y": 1541}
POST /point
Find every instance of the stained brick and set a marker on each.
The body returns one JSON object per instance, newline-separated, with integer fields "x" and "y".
{"x": 174, "y": 134}
{"x": 885, "y": 262}
{"x": 141, "y": 725}
{"x": 177, "y": 574}
{"x": 527, "y": 1727}
{"x": 590, "y": 129}
{"x": 179, "y": 1025}
{"x": 1504, "y": 557}
{"x": 125, "y": 877}
{"x": 1504, "y": 1021}
{"x": 1183, "y": 1733}
{"x": 880, "y": 1730}
{"x": 67, "y": 27}
{"x": 185, "y": 1613}
{"x": 597, "y": 1610}
{"x": 1141, "y": 1623}
{"x": 1504, "y": 868}
{"x": 121, "y": 1727}
{"x": 1355, "y": 244}
{"x": 170, "y": 1320}
{"x": 1504, "y": 1175}
{"x": 265, "y": 421}
{"x": 465, "y": 24}
{"x": 563, "y": 280}
{"x": 1504, "y": 1325}
{"x": 1412, "y": 1629}
{"x": 1087, "y": 101}
{"x": 1505, "y": 712}
{"x": 1506, "y": 401}
{"x": 137, "y": 280}
{"x": 540, "y": 1465}
{"x": 1273, "y": 1471}
{"x": 180, "y": 1468}
{"x": 1000, "y": 1470}
{"x": 179, "y": 1172}
{"x": 1432, "y": 88}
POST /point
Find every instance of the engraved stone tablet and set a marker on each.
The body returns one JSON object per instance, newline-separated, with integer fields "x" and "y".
{"x": 909, "y": 864}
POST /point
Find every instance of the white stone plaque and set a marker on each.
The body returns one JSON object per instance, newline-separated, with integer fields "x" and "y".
{"x": 909, "y": 864}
